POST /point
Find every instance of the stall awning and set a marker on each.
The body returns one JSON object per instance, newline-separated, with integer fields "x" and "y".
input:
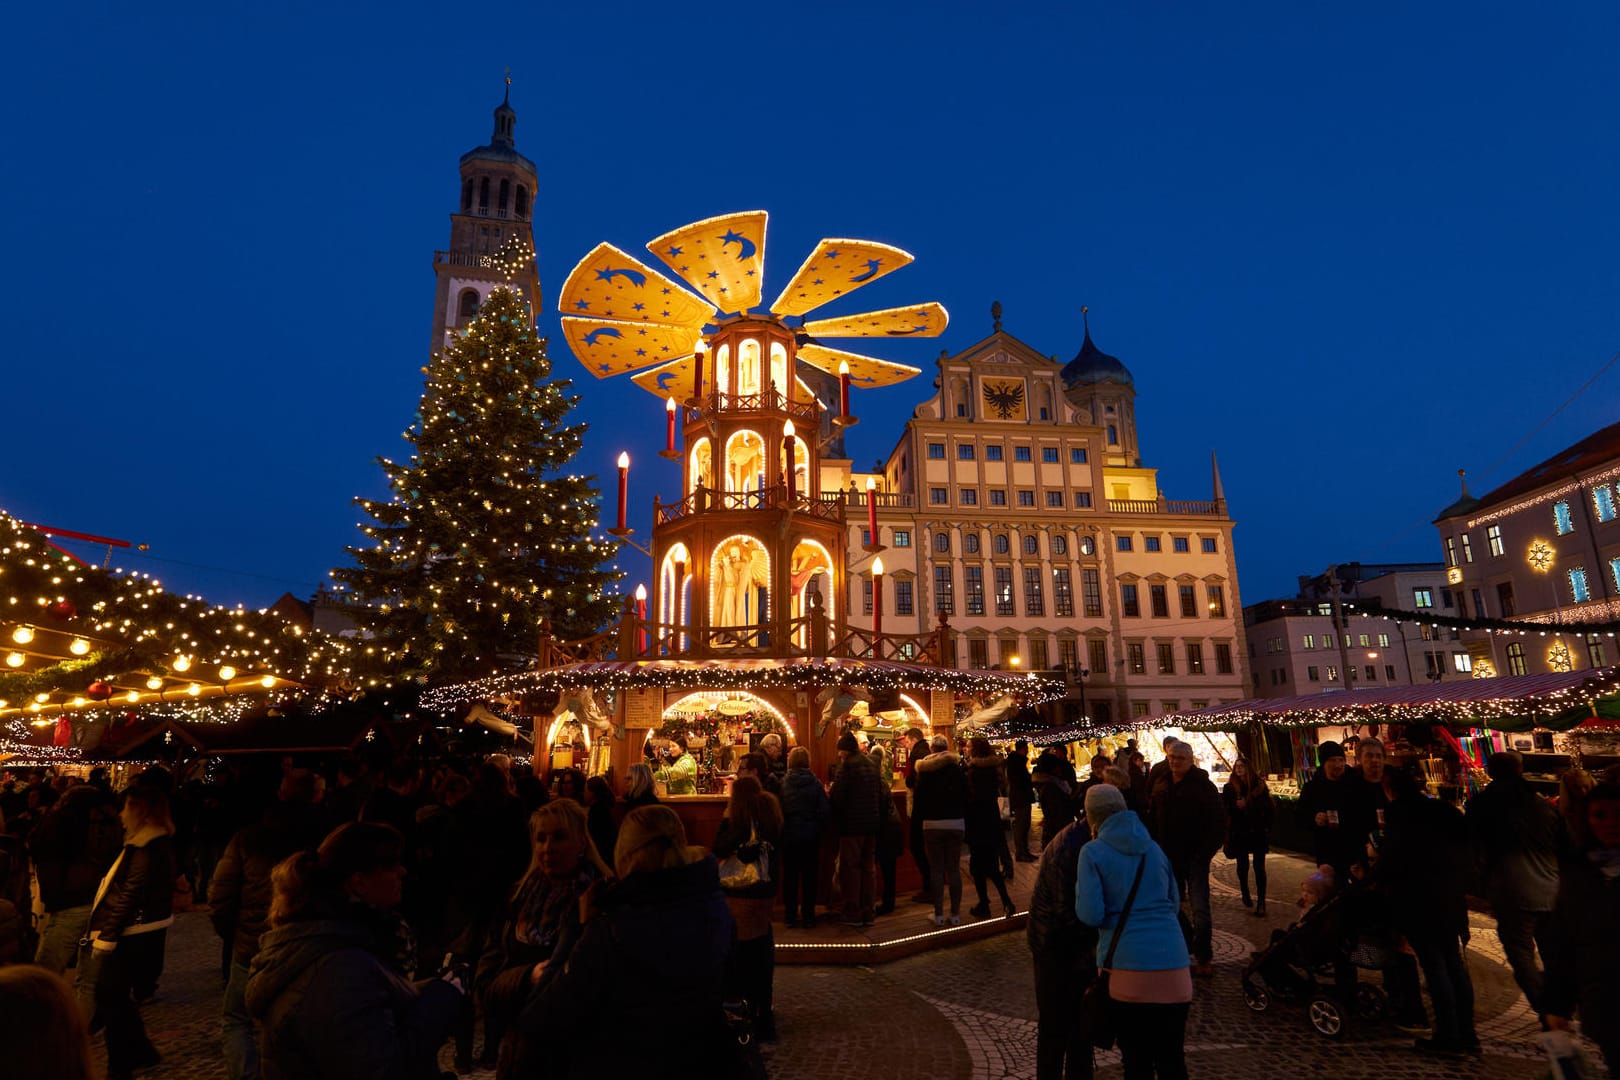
{"x": 1557, "y": 700}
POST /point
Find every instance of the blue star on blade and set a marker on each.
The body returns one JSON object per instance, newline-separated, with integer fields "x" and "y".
{"x": 581, "y": 305}
{"x": 745, "y": 246}
{"x": 714, "y": 273}
{"x": 641, "y": 352}
{"x": 666, "y": 293}
{"x": 673, "y": 251}
{"x": 831, "y": 255}
{"x": 816, "y": 282}
{"x": 639, "y": 307}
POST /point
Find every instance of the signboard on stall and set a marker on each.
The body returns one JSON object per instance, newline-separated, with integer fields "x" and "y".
{"x": 941, "y": 707}
{"x": 643, "y": 708}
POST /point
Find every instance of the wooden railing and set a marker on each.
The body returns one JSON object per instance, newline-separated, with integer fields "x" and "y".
{"x": 703, "y": 500}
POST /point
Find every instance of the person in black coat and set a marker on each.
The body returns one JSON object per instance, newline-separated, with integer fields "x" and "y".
{"x": 1187, "y": 819}
{"x": 133, "y": 905}
{"x": 650, "y": 959}
{"x": 1334, "y": 807}
{"x": 71, "y": 848}
{"x": 805, "y": 811}
{"x": 1021, "y": 796}
{"x": 1249, "y": 814}
{"x": 986, "y": 846}
{"x": 1057, "y": 791}
{"x": 941, "y": 804}
{"x": 1583, "y": 962}
{"x": 599, "y": 813}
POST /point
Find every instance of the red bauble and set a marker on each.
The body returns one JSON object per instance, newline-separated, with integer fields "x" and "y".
{"x": 64, "y": 732}
{"x": 62, "y": 610}
{"x": 99, "y": 690}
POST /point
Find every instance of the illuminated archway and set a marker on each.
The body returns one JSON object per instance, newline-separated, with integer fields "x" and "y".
{"x": 672, "y": 578}
{"x": 779, "y": 369}
{"x": 748, "y": 368}
{"x": 703, "y": 702}
{"x": 811, "y": 561}
{"x": 739, "y": 587}
{"x": 745, "y": 461}
{"x": 700, "y": 465}
{"x": 722, "y": 369}
{"x": 565, "y": 717}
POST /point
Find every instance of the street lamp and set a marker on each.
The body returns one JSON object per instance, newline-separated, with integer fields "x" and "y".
{"x": 1078, "y": 674}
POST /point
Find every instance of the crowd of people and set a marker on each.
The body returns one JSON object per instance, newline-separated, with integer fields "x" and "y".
{"x": 369, "y": 918}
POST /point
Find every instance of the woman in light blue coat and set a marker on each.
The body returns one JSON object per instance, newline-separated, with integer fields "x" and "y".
{"x": 1150, "y": 981}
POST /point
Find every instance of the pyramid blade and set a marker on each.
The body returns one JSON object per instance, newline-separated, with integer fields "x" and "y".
{"x": 921, "y": 320}
{"x": 609, "y": 284}
{"x": 672, "y": 380}
{"x": 864, "y": 371}
{"x": 609, "y": 347}
{"x": 721, "y": 257}
{"x": 836, "y": 268}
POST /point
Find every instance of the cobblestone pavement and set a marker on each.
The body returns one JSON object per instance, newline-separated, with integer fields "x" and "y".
{"x": 968, "y": 1012}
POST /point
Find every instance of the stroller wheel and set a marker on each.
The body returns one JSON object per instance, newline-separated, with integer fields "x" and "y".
{"x": 1372, "y": 1004}
{"x": 1327, "y": 1017}
{"x": 1256, "y": 998}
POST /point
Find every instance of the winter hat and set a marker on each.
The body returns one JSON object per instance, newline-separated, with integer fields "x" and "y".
{"x": 1329, "y": 749}
{"x": 847, "y": 743}
{"x": 1103, "y": 801}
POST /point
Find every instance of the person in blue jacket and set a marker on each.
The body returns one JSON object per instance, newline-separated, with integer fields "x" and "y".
{"x": 1150, "y": 980}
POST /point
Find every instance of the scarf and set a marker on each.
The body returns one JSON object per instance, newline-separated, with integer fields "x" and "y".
{"x": 543, "y": 906}
{"x": 1607, "y": 861}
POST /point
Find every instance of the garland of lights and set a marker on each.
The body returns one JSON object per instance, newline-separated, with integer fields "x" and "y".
{"x": 1490, "y": 626}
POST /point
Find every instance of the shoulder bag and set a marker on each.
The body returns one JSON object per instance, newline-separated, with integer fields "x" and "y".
{"x": 1096, "y": 1012}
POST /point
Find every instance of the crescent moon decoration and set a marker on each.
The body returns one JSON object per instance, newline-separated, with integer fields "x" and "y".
{"x": 871, "y": 271}
{"x": 634, "y": 277}
{"x": 924, "y": 320}
{"x": 606, "y": 331}
{"x": 610, "y": 284}
{"x": 663, "y": 379}
{"x": 745, "y": 246}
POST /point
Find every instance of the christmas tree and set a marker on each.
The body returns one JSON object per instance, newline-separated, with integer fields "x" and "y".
{"x": 488, "y": 531}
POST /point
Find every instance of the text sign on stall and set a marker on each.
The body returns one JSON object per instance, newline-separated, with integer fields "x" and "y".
{"x": 942, "y": 708}
{"x": 643, "y": 708}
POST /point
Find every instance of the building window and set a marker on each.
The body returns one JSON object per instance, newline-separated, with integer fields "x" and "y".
{"x": 1562, "y": 521}
{"x": 1062, "y": 593}
{"x": 1389, "y": 672}
{"x": 902, "y": 598}
{"x": 974, "y": 584}
{"x": 1158, "y": 598}
{"x": 1493, "y": 534}
{"x": 1004, "y": 591}
{"x": 1049, "y": 454}
{"x": 1217, "y": 601}
{"x": 1327, "y": 641}
{"x": 1208, "y": 544}
{"x": 1504, "y": 599}
{"x": 1515, "y": 659}
{"x": 1054, "y": 499}
{"x": 1032, "y": 546}
{"x": 866, "y": 537}
{"x": 1372, "y": 672}
{"x": 1069, "y": 653}
{"x": 1082, "y": 500}
{"x": 483, "y": 195}
{"x": 1180, "y": 545}
{"x": 992, "y": 453}
{"x": 1462, "y": 662}
{"x": 1195, "y": 658}
{"x": 1139, "y": 709}
{"x": 970, "y": 496}
{"x": 979, "y": 652}
{"x": 1167, "y": 658}
{"x": 866, "y": 596}
{"x": 1034, "y": 594}
{"x": 1313, "y": 673}
{"x": 1060, "y": 545}
{"x": 944, "y": 591}
{"x": 1614, "y": 571}
{"x": 939, "y": 495}
{"x": 1451, "y": 551}
{"x": 961, "y": 408}
{"x": 466, "y": 196}
{"x": 1150, "y": 543}
{"x": 1001, "y": 545}
{"x": 998, "y": 497}
{"x": 1223, "y": 658}
{"x": 1097, "y": 652}
{"x": 1479, "y": 604}
{"x": 1021, "y": 453}
{"x": 1603, "y": 502}
{"x": 1363, "y": 640}
{"x": 1332, "y": 673}
{"x": 1423, "y": 598}
{"x": 522, "y": 204}
{"x": 1026, "y": 498}
{"x": 1077, "y": 456}
{"x": 1128, "y": 602}
{"x": 1135, "y": 658}
{"x": 1308, "y": 641}
{"x": 902, "y": 538}
{"x": 1189, "y": 601}
{"x": 1383, "y": 641}
{"x": 970, "y": 543}
{"x": 1113, "y": 435}
{"x": 1468, "y": 549}
{"x": 1577, "y": 585}
{"x": 1091, "y": 594}
{"x": 1038, "y": 659}
{"x": 1088, "y": 546}
{"x": 1594, "y": 650}
{"x": 964, "y": 451}
{"x": 1123, "y": 542}
{"x": 942, "y": 543}
{"x": 936, "y": 450}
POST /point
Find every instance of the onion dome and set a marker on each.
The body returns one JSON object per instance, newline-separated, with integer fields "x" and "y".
{"x": 1091, "y": 365}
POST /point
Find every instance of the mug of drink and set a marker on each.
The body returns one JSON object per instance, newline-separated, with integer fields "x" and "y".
{"x": 1380, "y": 817}
{"x": 1333, "y": 819}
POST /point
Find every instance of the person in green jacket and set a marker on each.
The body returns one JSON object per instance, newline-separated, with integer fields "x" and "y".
{"x": 680, "y": 775}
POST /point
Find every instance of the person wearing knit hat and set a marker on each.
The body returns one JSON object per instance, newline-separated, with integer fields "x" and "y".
{"x": 1332, "y": 807}
{"x": 1328, "y": 751}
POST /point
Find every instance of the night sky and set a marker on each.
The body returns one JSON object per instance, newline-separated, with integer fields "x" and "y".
{"x": 1352, "y": 250}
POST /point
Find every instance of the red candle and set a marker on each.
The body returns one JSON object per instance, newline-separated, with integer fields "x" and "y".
{"x": 669, "y": 424}
{"x": 871, "y": 510}
{"x": 787, "y": 444}
{"x": 843, "y": 388}
{"x": 877, "y": 606}
{"x": 624, "y": 486}
{"x": 697, "y": 374}
{"x": 641, "y": 619}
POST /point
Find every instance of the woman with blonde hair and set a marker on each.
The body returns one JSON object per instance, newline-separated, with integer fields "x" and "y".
{"x": 752, "y": 831}
{"x": 638, "y": 788}
{"x": 650, "y": 958}
{"x": 544, "y": 909}
{"x": 43, "y": 1030}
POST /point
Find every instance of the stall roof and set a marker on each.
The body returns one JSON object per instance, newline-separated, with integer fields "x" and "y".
{"x": 1557, "y": 699}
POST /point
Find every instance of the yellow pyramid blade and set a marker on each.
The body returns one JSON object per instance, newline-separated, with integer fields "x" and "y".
{"x": 671, "y": 380}
{"x": 608, "y": 284}
{"x": 721, "y": 257}
{"x": 922, "y": 320}
{"x": 609, "y": 346}
{"x": 864, "y": 371}
{"x": 836, "y": 268}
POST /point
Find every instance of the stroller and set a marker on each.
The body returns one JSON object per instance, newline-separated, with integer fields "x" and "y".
{"x": 1315, "y": 962}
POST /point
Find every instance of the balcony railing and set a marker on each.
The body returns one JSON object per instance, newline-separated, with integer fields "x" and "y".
{"x": 886, "y": 500}
{"x": 1161, "y": 506}
{"x": 463, "y": 258}
{"x": 704, "y": 500}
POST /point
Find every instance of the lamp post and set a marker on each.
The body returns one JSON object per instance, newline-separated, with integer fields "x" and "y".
{"x": 1078, "y": 675}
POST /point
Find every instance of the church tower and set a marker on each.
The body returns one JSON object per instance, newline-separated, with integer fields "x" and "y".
{"x": 496, "y": 207}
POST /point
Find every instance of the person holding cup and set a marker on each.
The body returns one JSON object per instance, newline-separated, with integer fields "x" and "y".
{"x": 1332, "y": 807}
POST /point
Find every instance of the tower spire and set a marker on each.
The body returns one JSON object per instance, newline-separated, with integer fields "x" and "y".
{"x": 1219, "y": 489}
{"x": 505, "y": 118}
{"x": 507, "y": 100}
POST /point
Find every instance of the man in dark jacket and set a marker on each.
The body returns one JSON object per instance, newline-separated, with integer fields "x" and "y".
{"x": 1518, "y": 838}
{"x": 858, "y": 802}
{"x": 239, "y": 904}
{"x": 72, "y": 847}
{"x": 1333, "y": 807}
{"x": 1055, "y": 787}
{"x": 1065, "y": 954}
{"x": 1021, "y": 795}
{"x": 1188, "y": 819}
{"x": 918, "y": 749}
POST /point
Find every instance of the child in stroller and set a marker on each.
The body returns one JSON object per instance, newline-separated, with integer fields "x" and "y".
{"x": 1316, "y": 958}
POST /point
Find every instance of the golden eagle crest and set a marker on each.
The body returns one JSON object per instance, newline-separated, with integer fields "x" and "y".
{"x": 1005, "y": 397}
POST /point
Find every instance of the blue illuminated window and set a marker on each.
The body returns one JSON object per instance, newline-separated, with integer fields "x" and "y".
{"x": 1603, "y": 502}
{"x": 1577, "y": 585}
{"x": 1562, "y": 519}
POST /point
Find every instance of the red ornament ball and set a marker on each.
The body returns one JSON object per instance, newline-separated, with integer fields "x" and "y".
{"x": 100, "y": 690}
{"x": 63, "y": 610}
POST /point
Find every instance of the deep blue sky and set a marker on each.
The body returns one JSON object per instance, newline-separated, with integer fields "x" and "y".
{"x": 1352, "y": 250}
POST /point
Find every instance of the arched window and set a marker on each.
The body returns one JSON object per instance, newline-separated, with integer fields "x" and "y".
{"x": 748, "y": 368}
{"x": 522, "y": 205}
{"x": 1031, "y": 546}
{"x": 1088, "y": 546}
{"x": 701, "y": 461}
{"x": 942, "y": 543}
{"x": 1060, "y": 545}
{"x": 483, "y": 195}
{"x": 970, "y": 543}
{"x": 779, "y": 368}
{"x": 466, "y": 196}
{"x": 1001, "y": 544}
{"x": 745, "y": 462}
{"x": 1113, "y": 435}
{"x": 506, "y": 189}
{"x": 468, "y": 306}
{"x": 722, "y": 369}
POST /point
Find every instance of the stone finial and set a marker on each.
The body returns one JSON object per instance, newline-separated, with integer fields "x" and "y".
{"x": 995, "y": 314}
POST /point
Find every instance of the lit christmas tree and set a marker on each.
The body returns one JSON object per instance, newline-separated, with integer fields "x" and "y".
{"x": 488, "y": 532}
